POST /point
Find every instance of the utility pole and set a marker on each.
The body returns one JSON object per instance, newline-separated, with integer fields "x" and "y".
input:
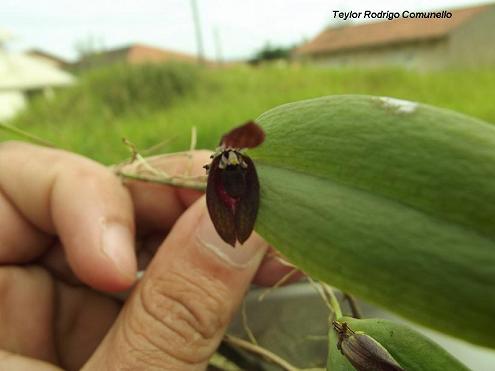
{"x": 197, "y": 28}
{"x": 218, "y": 45}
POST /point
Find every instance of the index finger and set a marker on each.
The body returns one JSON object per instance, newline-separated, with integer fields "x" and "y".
{"x": 79, "y": 200}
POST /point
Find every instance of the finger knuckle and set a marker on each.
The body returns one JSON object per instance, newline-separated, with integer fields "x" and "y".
{"x": 91, "y": 174}
{"x": 187, "y": 313}
{"x": 99, "y": 182}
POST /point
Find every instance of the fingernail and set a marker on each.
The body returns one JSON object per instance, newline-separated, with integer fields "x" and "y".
{"x": 117, "y": 244}
{"x": 239, "y": 256}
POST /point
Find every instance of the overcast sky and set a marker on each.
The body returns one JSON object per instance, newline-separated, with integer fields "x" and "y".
{"x": 243, "y": 26}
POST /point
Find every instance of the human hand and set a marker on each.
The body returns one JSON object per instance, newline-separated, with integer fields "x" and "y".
{"x": 68, "y": 226}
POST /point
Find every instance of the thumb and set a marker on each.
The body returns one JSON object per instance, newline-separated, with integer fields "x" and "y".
{"x": 18, "y": 362}
{"x": 178, "y": 313}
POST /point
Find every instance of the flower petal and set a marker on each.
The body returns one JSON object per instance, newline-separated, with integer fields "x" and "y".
{"x": 247, "y": 207}
{"x": 248, "y": 135}
{"x": 221, "y": 214}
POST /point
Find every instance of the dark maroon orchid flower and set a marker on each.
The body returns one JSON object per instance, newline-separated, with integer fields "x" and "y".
{"x": 232, "y": 192}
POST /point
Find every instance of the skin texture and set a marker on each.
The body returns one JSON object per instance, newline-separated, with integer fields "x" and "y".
{"x": 55, "y": 276}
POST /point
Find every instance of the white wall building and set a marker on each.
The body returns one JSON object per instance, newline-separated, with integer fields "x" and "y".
{"x": 23, "y": 75}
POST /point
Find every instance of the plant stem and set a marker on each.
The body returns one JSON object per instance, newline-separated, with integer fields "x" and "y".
{"x": 234, "y": 355}
{"x": 255, "y": 349}
{"x": 26, "y": 135}
{"x": 221, "y": 363}
{"x": 319, "y": 291}
{"x": 333, "y": 301}
{"x": 245, "y": 324}
{"x": 173, "y": 181}
{"x": 356, "y": 313}
{"x": 279, "y": 283}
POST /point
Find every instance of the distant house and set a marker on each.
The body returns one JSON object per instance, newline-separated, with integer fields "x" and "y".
{"x": 50, "y": 58}
{"x": 134, "y": 54}
{"x": 465, "y": 39}
{"x": 22, "y": 76}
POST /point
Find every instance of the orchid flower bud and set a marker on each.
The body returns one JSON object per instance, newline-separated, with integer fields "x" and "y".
{"x": 362, "y": 351}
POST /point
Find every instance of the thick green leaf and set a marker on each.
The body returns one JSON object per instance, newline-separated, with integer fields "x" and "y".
{"x": 412, "y": 350}
{"x": 389, "y": 200}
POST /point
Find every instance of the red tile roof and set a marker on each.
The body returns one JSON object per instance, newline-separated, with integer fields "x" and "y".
{"x": 135, "y": 54}
{"x": 387, "y": 32}
{"x": 139, "y": 53}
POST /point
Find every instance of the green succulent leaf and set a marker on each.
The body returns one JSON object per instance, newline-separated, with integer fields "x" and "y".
{"x": 392, "y": 201}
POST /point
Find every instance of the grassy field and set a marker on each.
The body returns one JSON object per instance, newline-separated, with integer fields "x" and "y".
{"x": 150, "y": 105}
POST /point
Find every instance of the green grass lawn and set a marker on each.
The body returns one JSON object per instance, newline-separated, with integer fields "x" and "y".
{"x": 161, "y": 104}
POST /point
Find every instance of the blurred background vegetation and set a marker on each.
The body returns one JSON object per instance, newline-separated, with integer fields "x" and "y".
{"x": 160, "y": 103}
